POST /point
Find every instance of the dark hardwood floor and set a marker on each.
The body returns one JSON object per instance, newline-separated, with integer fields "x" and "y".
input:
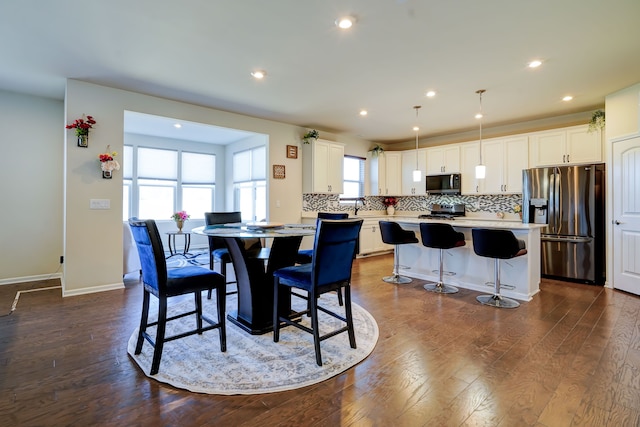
{"x": 569, "y": 357}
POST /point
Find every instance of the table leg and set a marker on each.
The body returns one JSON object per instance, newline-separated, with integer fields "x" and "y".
{"x": 255, "y": 286}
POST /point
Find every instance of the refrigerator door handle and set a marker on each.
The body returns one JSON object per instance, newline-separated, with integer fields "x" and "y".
{"x": 565, "y": 239}
{"x": 560, "y": 214}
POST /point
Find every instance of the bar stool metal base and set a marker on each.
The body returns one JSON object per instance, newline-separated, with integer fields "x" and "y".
{"x": 440, "y": 288}
{"x": 397, "y": 279}
{"x": 497, "y": 301}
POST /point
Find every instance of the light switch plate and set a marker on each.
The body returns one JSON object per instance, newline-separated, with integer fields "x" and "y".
{"x": 100, "y": 204}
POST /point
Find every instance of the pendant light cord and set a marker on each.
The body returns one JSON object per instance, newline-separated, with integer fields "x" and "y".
{"x": 480, "y": 92}
{"x": 417, "y": 107}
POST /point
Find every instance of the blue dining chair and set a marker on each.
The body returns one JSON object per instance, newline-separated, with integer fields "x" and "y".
{"x": 165, "y": 283}
{"x": 305, "y": 255}
{"x": 330, "y": 270}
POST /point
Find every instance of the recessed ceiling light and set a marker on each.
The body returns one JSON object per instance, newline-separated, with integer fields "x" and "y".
{"x": 416, "y": 128}
{"x": 177, "y": 126}
{"x": 567, "y": 98}
{"x": 259, "y": 74}
{"x": 535, "y": 63}
{"x": 430, "y": 93}
{"x": 345, "y": 22}
{"x": 363, "y": 112}
{"x": 479, "y": 116}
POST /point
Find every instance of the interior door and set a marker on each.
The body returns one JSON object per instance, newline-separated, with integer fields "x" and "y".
{"x": 626, "y": 215}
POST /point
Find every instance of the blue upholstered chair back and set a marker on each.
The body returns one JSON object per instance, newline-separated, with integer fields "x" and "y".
{"x": 335, "y": 247}
{"x": 213, "y": 218}
{"x": 154, "y": 267}
{"x": 331, "y": 215}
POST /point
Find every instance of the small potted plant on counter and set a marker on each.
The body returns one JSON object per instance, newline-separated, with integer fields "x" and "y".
{"x": 518, "y": 209}
{"x": 390, "y": 203}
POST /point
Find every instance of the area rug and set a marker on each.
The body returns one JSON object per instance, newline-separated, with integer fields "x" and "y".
{"x": 254, "y": 364}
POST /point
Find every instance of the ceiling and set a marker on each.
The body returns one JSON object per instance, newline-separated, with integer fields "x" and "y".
{"x": 319, "y": 76}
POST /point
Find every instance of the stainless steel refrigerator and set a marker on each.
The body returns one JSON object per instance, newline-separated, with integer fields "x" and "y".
{"x": 570, "y": 200}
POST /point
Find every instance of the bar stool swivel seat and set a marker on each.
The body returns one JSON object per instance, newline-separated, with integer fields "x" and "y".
{"x": 393, "y": 234}
{"x": 440, "y": 236}
{"x": 497, "y": 244}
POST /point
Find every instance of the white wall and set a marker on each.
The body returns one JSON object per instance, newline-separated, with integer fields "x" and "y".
{"x": 31, "y": 137}
{"x": 92, "y": 239}
{"x": 622, "y": 110}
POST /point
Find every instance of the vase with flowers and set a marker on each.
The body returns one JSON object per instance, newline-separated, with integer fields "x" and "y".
{"x": 180, "y": 218}
{"x": 107, "y": 163}
{"x": 82, "y": 126}
{"x": 518, "y": 209}
{"x": 390, "y": 203}
{"x": 312, "y": 135}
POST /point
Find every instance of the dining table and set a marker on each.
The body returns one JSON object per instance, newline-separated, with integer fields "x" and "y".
{"x": 255, "y": 280}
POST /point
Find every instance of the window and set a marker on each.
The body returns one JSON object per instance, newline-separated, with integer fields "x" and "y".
{"x": 158, "y": 182}
{"x": 249, "y": 184}
{"x": 353, "y": 177}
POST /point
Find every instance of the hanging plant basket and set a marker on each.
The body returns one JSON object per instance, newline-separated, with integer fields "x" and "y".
{"x": 597, "y": 121}
{"x": 311, "y": 135}
{"x": 376, "y": 151}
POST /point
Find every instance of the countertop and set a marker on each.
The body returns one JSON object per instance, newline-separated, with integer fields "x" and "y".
{"x": 486, "y": 220}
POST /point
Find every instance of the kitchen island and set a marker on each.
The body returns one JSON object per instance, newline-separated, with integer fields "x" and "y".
{"x": 472, "y": 271}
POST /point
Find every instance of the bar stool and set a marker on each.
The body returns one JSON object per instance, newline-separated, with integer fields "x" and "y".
{"x": 440, "y": 236}
{"x": 497, "y": 244}
{"x": 393, "y": 234}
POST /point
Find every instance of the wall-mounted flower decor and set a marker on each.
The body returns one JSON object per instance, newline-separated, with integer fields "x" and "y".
{"x": 107, "y": 163}
{"x": 82, "y": 126}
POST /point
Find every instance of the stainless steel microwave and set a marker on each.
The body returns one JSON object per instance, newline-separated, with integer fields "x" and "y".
{"x": 443, "y": 184}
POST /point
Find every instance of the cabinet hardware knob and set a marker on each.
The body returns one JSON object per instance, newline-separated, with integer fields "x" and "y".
{"x": 616, "y": 222}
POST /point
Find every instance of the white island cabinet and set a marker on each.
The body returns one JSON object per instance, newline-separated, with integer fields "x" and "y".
{"x": 472, "y": 271}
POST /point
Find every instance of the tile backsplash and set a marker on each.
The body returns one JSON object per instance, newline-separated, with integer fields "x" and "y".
{"x": 482, "y": 203}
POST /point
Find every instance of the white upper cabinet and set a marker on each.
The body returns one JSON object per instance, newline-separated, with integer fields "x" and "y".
{"x": 572, "y": 145}
{"x": 409, "y": 187}
{"x": 469, "y": 158}
{"x": 445, "y": 159}
{"x": 384, "y": 174}
{"x": 504, "y": 159}
{"x": 323, "y": 163}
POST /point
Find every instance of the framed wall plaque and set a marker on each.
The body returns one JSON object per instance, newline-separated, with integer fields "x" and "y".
{"x": 292, "y": 152}
{"x": 278, "y": 171}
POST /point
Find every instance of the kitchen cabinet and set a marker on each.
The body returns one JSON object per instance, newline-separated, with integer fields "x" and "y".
{"x": 505, "y": 159}
{"x": 574, "y": 145}
{"x": 385, "y": 174}
{"x": 371, "y": 239}
{"x": 323, "y": 163}
{"x": 445, "y": 159}
{"x": 409, "y": 187}
{"x": 469, "y": 159}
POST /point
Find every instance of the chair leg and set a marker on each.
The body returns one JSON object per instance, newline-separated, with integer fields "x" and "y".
{"x": 439, "y": 287}
{"x": 212, "y": 268}
{"x": 340, "y": 301}
{"x": 276, "y": 314}
{"x": 221, "y": 295}
{"x": 316, "y": 330}
{"x": 144, "y": 318}
{"x": 349, "y": 316}
{"x": 198, "y": 300}
{"x": 497, "y": 300}
{"x": 162, "y": 325}
{"x": 395, "y": 277}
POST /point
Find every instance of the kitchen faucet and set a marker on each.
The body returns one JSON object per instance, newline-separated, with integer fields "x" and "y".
{"x": 355, "y": 207}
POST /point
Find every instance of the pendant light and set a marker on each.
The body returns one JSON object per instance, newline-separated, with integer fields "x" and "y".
{"x": 417, "y": 173}
{"x": 481, "y": 170}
